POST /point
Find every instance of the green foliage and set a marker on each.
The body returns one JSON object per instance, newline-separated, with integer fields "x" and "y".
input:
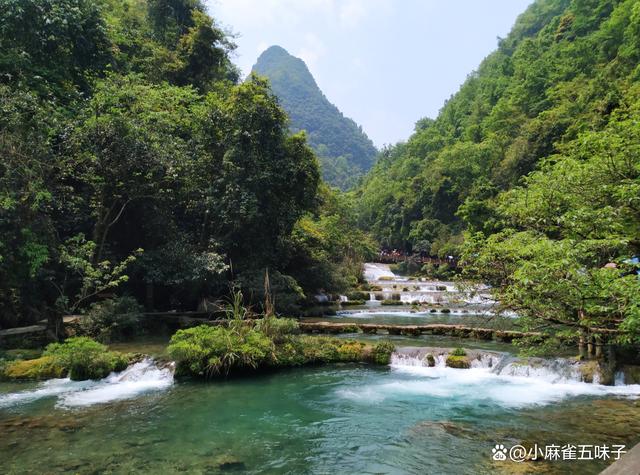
{"x": 327, "y": 250}
{"x": 460, "y": 362}
{"x": 565, "y": 260}
{"x": 85, "y": 358}
{"x": 345, "y": 152}
{"x": 382, "y": 352}
{"x": 458, "y": 352}
{"x": 45, "y": 367}
{"x": 20, "y": 354}
{"x": 358, "y": 295}
{"x": 564, "y": 69}
{"x": 277, "y": 328}
{"x": 350, "y": 351}
{"x": 123, "y": 128}
{"x": 112, "y": 319}
{"x": 52, "y": 46}
{"x": 78, "y": 256}
{"x": 207, "y": 351}
{"x": 287, "y": 295}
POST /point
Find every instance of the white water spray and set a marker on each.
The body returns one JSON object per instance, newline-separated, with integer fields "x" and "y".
{"x": 138, "y": 378}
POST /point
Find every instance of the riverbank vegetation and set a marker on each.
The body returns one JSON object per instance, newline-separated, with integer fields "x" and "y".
{"x": 136, "y": 163}
{"x": 78, "y": 358}
{"x": 209, "y": 352}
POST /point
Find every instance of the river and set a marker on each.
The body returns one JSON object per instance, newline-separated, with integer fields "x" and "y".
{"x": 405, "y": 418}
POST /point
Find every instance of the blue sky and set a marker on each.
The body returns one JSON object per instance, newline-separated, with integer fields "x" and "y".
{"x": 384, "y": 63}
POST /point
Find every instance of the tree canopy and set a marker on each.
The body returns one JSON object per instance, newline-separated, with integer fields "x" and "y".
{"x": 135, "y": 162}
{"x": 530, "y": 172}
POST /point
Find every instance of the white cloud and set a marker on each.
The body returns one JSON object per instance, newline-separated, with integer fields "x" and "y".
{"x": 266, "y": 13}
{"x": 352, "y": 12}
{"x": 263, "y": 45}
{"x": 311, "y": 51}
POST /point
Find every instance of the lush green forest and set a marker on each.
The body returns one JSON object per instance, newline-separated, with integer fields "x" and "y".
{"x": 345, "y": 151}
{"x": 135, "y": 164}
{"x": 531, "y": 172}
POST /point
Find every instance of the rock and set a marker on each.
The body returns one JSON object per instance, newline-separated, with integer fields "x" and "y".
{"x": 430, "y": 360}
{"x": 461, "y": 362}
{"x": 631, "y": 374}
{"x": 44, "y": 367}
{"x": 229, "y": 462}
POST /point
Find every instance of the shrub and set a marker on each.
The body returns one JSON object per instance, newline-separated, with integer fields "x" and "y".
{"x": 112, "y": 319}
{"x": 277, "y": 328}
{"x": 85, "y": 358}
{"x": 352, "y": 303}
{"x": 358, "y": 296}
{"x": 318, "y": 349}
{"x": 458, "y": 352}
{"x": 210, "y": 351}
{"x": 350, "y": 351}
{"x": 382, "y": 352}
{"x": 21, "y": 354}
{"x": 45, "y": 367}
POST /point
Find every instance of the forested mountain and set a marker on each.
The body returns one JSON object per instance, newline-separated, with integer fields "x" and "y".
{"x": 134, "y": 163}
{"x": 345, "y": 151}
{"x": 531, "y": 171}
{"x": 563, "y": 70}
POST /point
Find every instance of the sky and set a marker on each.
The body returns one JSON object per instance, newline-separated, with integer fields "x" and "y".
{"x": 384, "y": 63}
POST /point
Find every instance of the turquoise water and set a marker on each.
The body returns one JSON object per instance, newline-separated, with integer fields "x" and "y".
{"x": 338, "y": 419}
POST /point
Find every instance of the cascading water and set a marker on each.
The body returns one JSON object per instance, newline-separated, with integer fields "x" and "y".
{"x": 493, "y": 377}
{"x": 406, "y": 290}
{"x": 138, "y": 378}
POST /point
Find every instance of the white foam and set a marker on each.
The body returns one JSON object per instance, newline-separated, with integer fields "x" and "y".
{"x": 136, "y": 379}
{"x": 410, "y": 378}
{"x": 50, "y": 388}
{"x": 373, "y": 271}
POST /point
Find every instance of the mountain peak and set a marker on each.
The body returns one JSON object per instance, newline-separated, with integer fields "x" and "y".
{"x": 345, "y": 152}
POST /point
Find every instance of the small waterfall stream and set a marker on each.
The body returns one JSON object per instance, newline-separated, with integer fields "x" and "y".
{"x": 140, "y": 377}
{"x": 553, "y": 370}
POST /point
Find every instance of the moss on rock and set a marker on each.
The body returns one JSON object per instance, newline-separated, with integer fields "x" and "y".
{"x": 45, "y": 367}
{"x": 430, "y": 360}
{"x": 461, "y": 362}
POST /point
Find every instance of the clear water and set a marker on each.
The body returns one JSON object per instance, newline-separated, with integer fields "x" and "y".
{"x": 338, "y": 419}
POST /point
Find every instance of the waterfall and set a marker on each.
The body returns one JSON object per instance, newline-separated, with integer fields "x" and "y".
{"x": 138, "y": 378}
{"x": 551, "y": 370}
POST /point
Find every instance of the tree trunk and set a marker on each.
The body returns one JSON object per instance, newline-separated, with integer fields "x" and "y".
{"x": 598, "y": 340}
{"x": 55, "y": 326}
{"x": 582, "y": 351}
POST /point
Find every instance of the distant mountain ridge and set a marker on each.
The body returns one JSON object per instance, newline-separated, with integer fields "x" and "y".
{"x": 345, "y": 151}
